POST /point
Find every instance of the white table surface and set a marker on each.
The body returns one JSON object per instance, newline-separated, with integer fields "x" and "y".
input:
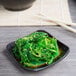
{"x": 67, "y": 67}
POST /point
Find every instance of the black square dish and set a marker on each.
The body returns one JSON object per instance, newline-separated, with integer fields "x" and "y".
{"x": 64, "y": 50}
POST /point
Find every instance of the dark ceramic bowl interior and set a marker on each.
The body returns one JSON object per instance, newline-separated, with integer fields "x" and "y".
{"x": 64, "y": 50}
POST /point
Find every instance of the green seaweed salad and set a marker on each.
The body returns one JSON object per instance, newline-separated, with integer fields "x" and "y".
{"x": 36, "y": 50}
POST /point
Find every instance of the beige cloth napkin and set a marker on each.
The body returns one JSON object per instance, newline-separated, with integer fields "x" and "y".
{"x": 56, "y": 9}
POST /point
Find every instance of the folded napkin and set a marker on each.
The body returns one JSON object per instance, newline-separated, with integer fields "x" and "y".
{"x": 56, "y": 9}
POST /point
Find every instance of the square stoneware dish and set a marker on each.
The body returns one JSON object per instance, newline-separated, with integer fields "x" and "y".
{"x": 64, "y": 50}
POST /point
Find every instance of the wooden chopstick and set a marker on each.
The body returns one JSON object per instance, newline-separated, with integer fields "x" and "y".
{"x": 61, "y": 23}
{"x": 42, "y": 16}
